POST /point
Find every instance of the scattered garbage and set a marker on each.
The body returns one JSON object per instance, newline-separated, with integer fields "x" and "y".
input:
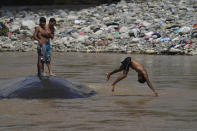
{"x": 194, "y": 34}
{"x": 185, "y": 30}
{"x": 165, "y": 39}
{"x": 176, "y": 30}
{"x": 28, "y": 24}
{"x": 69, "y": 32}
{"x": 128, "y": 26}
{"x": 195, "y": 25}
{"x": 10, "y": 21}
{"x": 97, "y": 29}
{"x": 156, "y": 35}
{"x": 81, "y": 33}
{"x": 79, "y": 21}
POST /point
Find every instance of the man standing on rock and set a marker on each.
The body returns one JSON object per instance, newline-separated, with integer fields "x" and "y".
{"x": 42, "y": 34}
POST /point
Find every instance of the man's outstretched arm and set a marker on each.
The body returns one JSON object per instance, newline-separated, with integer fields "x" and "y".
{"x": 149, "y": 84}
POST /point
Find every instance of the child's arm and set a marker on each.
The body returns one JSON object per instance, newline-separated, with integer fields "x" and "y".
{"x": 50, "y": 33}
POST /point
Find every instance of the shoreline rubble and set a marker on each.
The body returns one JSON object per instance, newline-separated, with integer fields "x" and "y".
{"x": 166, "y": 27}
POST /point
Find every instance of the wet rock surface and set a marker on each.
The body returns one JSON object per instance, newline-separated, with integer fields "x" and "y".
{"x": 33, "y": 87}
{"x": 151, "y": 27}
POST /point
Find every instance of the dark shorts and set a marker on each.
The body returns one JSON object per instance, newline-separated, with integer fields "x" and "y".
{"x": 126, "y": 63}
{"x": 44, "y": 52}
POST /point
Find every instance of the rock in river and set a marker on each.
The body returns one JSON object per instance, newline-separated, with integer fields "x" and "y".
{"x": 32, "y": 87}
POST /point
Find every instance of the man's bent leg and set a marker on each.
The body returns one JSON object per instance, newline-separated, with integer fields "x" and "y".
{"x": 124, "y": 75}
{"x": 113, "y": 72}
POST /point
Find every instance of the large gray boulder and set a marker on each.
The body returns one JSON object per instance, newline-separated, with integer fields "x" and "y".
{"x": 33, "y": 87}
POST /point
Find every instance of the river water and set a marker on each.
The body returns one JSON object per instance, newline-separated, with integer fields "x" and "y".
{"x": 132, "y": 107}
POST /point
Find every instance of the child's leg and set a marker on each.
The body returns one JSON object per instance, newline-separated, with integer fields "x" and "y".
{"x": 114, "y": 71}
{"x": 50, "y": 69}
{"x": 124, "y": 75}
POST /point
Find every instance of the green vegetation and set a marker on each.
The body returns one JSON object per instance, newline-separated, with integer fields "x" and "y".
{"x": 3, "y": 29}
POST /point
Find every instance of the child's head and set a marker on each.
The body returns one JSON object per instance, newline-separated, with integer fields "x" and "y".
{"x": 141, "y": 78}
{"x": 52, "y": 21}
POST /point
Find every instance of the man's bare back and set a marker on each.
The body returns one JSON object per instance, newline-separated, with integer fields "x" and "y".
{"x": 137, "y": 66}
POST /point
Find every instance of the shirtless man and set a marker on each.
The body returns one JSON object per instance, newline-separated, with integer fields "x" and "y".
{"x": 130, "y": 62}
{"x": 44, "y": 50}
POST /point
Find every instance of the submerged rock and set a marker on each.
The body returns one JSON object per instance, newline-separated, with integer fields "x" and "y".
{"x": 32, "y": 87}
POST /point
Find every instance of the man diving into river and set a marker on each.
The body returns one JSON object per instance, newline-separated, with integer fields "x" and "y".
{"x": 125, "y": 64}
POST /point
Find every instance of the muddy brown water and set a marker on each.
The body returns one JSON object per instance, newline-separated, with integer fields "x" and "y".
{"x": 132, "y": 107}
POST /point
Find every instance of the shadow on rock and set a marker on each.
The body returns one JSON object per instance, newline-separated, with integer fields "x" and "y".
{"x": 33, "y": 87}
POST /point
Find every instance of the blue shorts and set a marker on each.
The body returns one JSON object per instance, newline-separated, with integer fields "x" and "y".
{"x": 44, "y": 52}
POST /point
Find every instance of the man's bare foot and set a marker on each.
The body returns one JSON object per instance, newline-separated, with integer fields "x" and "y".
{"x": 51, "y": 74}
{"x": 112, "y": 88}
{"x": 108, "y": 76}
{"x": 156, "y": 94}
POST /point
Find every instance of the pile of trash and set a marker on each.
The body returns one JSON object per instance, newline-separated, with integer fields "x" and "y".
{"x": 150, "y": 27}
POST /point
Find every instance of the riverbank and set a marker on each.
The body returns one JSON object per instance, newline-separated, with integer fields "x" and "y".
{"x": 166, "y": 27}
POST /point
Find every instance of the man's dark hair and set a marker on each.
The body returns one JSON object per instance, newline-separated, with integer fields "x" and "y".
{"x": 143, "y": 80}
{"x": 42, "y": 19}
{"x": 52, "y": 20}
